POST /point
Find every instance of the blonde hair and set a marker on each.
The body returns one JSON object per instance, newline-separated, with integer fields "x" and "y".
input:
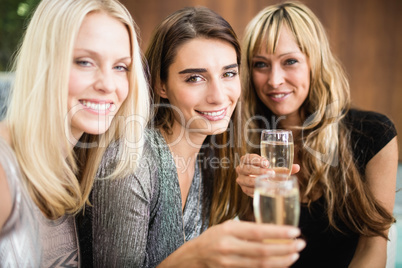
{"x": 38, "y": 108}
{"x": 324, "y": 132}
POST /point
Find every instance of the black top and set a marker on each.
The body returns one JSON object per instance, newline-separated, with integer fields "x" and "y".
{"x": 326, "y": 247}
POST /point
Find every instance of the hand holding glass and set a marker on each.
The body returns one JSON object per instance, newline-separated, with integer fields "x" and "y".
{"x": 276, "y": 201}
{"x": 277, "y": 147}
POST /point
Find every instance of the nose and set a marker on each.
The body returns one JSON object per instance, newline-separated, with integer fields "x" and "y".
{"x": 105, "y": 81}
{"x": 276, "y": 77}
{"x": 215, "y": 92}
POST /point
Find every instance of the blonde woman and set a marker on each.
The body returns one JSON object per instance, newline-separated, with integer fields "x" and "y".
{"x": 79, "y": 82}
{"x": 348, "y": 158}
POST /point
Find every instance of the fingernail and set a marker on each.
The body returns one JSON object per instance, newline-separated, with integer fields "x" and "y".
{"x": 294, "y": 257}
{"x": 294, "y": 232}
{"x": 300, "y": 244}
{"x": 265, "y": 163}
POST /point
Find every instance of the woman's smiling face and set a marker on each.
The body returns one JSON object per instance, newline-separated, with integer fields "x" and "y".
{"x": 203, "y": 85}
{"x": 98, "y": 82}
{"x": 282, "y": 79}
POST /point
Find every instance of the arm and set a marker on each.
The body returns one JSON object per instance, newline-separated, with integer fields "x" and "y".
{"x": 121, "y": 215}
{"x": 381, "y": 178}
{"x": 5, "y": 199}
{"x": 5, "y": 195}
{"x": 238, "y": 244}
{"x": 251, "y": 166}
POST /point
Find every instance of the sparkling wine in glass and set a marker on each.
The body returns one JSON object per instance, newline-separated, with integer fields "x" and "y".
{"x": 277, "y": 147}
{"x": 276, "y": 201}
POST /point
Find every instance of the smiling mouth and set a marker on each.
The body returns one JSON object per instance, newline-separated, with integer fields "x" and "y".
{"x": 213, "y": 116}
{"x": 96, "y": 106}
{"x": 218, "y": 113}
{"x": 278, "y": 96}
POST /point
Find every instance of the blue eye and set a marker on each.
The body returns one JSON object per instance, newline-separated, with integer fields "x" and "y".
{"x": 121, "y": 68}
{"x": 83, "y": 63}
{"x": 290, "y": 61}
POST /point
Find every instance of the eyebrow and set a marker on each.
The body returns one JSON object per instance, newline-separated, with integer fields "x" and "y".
{"x": 91, "y": 52}
{"x": 203, "y": 70}
{"x": 281, "y": 55}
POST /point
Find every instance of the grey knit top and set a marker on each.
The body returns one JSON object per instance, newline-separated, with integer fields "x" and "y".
{"x": 28, "y": 238}
{"x": 137, "y": 221}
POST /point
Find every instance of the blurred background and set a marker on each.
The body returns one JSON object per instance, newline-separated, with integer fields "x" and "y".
{"x": 364, "y": 34}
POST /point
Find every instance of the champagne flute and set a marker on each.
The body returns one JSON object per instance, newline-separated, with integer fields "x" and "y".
{"x": 277, "y": 147}
{"x": 276, "y": 201}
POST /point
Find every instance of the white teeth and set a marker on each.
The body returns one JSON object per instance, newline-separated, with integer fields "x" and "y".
{"x": 214, "y": 113}
{"x": 96, "y": 106}
{"x": 278, "y": 95}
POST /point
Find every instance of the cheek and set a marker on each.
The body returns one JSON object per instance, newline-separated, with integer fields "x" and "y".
{"x": 235, "y": 94}
{"x": 123, "y": 89}
{"x": 184, "y": 98}
{"x": 73, "y": 83}
{"x": 258, "y": 80}
{"x": 303, "y": 76}
{"x": 75, "y": 88}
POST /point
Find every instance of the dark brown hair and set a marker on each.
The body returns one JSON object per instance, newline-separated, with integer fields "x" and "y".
{"x": 180, "y": 27}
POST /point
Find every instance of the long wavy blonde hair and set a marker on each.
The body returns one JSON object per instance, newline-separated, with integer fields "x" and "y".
{"x": 326, "y": 159}
{"x": 38, "y": 108}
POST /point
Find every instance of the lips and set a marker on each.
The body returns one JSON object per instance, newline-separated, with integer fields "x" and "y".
{"x": 98, "y": 107}
{"x": 279, "y": 96}
{"x": 213, "y": 115}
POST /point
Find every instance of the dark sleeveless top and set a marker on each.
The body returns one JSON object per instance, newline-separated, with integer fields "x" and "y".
{"x": 326, "y": 247}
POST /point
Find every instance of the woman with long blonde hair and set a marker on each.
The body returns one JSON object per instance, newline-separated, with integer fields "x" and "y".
{"x": 79, "y": 83}
{"x": 348, "y": 158}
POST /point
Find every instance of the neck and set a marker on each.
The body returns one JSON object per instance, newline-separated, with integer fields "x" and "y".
{"x": 184, "y": 143}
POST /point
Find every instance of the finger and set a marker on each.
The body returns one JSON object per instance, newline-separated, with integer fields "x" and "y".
{"x": 246, "y": 181}
{"x": 283, "y": 261}
{"x": 255, "y": 160}
{"x": 247, "y": 170}
{"x": 295, "y": 168}
{"x": 253, "y": 254}
{"x": 252, "y": 231}
{"x": 249, "y": 262}
{"x": 247, "y": 190}
{"x": 269, "y": 250}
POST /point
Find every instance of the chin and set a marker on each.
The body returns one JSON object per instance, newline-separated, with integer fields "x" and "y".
{"x": 219, "y": 129}
{"x": 96, "y": 130}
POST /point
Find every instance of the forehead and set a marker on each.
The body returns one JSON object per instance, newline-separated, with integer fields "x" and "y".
{"x": 99, "y": 26}
{"x": 205, "y": 51}
{"x": 281, "y": 42}
{"x": 278, "y": 41}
